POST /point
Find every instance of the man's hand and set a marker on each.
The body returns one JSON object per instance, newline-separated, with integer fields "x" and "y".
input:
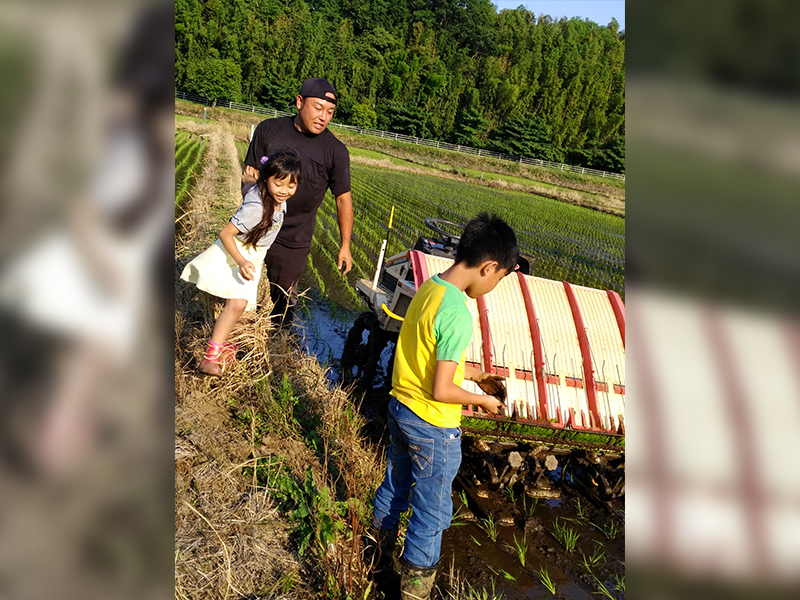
{"x": 492, "y": 385}
{"x": 345, "y": 259}
{"x": 249, "y": 178}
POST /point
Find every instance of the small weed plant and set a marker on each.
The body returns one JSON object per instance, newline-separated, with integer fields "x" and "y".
{"x": 317, "y": 516}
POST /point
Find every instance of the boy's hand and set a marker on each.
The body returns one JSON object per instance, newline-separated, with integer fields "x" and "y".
{"x": 492, "y": 405}
{"x": 248, "y": 270}
{"x": 492, "y": 385}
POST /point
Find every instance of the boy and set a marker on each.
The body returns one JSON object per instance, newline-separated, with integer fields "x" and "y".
{"x": 425, "y": 411}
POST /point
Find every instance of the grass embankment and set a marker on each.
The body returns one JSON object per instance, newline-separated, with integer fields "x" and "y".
{"x": 272, "y": 477}
{"x": 606, "y": 195}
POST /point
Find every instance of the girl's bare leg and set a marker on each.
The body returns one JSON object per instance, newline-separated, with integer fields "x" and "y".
{"x": 66, "y": 428}
{"x": 227, "y": 319}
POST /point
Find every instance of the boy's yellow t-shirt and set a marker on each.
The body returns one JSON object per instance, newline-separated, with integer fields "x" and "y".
{"x": 437, "y": 326}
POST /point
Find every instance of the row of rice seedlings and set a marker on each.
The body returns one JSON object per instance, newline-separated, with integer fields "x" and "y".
{"x": 183, "y": 141}
{"x": 188, "y": 171}
{"x": 328, "y": 224}
{"x": 188, "y": 152}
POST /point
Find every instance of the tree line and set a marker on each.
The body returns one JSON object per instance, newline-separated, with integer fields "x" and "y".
{"x": 452, "y": 70}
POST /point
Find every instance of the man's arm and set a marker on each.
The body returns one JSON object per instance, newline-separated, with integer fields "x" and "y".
{"x": 444, "y": 390}
{"x": 249, "y": 178}
{"x": 344, "y": 212}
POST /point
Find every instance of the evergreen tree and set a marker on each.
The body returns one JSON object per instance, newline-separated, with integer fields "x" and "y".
{"x": 421, "y": 66}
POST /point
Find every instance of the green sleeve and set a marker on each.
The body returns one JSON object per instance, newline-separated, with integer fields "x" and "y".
{"x": 452, "y": 329}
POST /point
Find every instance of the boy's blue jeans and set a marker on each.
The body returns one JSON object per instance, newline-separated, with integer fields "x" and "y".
{"x": 428, "y": 457}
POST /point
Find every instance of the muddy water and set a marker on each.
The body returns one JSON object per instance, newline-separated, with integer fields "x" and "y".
{"x": 523, "y": 500}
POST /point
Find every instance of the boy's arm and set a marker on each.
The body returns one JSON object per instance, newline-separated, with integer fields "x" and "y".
{"x": 444, "y": 390}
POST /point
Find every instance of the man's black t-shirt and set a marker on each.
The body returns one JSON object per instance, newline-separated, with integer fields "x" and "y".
{"x": 326, "y": 164}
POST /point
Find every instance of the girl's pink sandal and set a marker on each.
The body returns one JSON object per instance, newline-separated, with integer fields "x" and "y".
{"x": 214, "y": 359}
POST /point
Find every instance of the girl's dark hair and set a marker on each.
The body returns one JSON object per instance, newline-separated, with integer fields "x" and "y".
{"x": 280, "y": 164}
{"x": 488, "y": 238}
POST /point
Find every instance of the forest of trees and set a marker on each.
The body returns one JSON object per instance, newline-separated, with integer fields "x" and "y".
{"x": 453, "y": 70}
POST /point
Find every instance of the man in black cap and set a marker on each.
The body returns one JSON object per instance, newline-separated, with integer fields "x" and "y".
{"x": 325, "y": 164}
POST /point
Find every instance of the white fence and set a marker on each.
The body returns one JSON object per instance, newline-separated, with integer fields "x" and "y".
{"x": 271, "y": 112}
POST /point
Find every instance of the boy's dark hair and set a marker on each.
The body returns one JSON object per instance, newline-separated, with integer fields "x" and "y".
{"x": 488, "y": 238}
{"x": 281, "y": 164}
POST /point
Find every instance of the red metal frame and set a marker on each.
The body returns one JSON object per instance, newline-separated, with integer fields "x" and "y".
{"x": 619, "y": 312}
{"x": 583, "y": 340}
{"x": 419, "y": 266}
{"x": 538, "y": 353}
{"x": 486, "y": 335}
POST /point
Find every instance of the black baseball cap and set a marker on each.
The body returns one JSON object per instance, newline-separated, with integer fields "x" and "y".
{"x": 318, "y": 88}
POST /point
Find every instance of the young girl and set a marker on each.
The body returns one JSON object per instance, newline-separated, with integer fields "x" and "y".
{"x": 231, "y": 267}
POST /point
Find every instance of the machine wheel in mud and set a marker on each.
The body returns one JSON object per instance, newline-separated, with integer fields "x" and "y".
{"x": 362, "y": 353}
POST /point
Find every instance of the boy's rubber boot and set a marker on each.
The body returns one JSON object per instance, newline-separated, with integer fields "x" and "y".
{"x": 379, "y": 547}
{"x": 416, "y": 583}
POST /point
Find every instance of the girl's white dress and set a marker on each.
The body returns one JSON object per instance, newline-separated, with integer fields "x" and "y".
{"x": 214, "y": 270}
{"x": 53, "y": 283}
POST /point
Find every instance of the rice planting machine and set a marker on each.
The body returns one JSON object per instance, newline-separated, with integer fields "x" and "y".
{"x": 561, "y": 347}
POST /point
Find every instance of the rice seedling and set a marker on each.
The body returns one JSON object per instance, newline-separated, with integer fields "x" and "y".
{"x": 489, "y": 525}
{"x": 581, "y": 509}
{"x": 604, "y": 591}
{"x": 566, "y": 535}
{"x": 462, "y": 495}
{"x": 619, "y": 583}
{"x": 593, "y": 559}
{"x": 529, "y": 505}
{"x": 544, "y": 578}
{"x": 511, "y": 494}
{"x": 458, "y": 517}
{"x": 609, "y": 530}
{"x": 521, "y": 547}
{"x": 507, "y": 575}
{"x": 477, "y": 543}
{"x": 474, "y": 594}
